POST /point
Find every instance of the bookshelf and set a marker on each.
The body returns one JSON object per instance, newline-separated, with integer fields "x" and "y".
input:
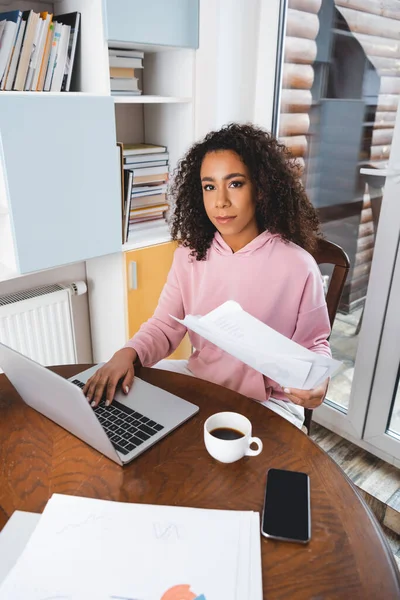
{"x": 66, "y": 206}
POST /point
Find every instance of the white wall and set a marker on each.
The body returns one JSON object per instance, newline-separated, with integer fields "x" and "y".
{"x": 235, "y": 63}
{"x": 66, "y": 274}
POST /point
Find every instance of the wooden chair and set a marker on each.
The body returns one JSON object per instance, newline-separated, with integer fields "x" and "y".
{"x": 332, "y": 254}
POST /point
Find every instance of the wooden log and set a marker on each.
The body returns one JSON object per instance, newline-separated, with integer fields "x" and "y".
{"x": 380, "y": 137}
{"x": 365, "y": 243}
{"x": 363, "y": 257}
{"x": 380, "y": 152}
{"x": 361, "y": 270}
{"x": 297, "y": 144}
{"x": 362, "y": 22}
{"x": 366, "y": 202}
{"x": 384, "y": 119}
{"x": 379, "y": 46}
{"x": 387, "y": 67}
{"x": 366, "y": 215}
{"x": 299, "y": 50}
{"x": 387, "y": 102}
{"x": 311, "y": 6}
{"x": 302, "y": 24}
{"x": 384, "y": 8}
{"x": 365, "y": 229}
{"x": 295, "y": 101}
{"x": 356, "y": 298}
{"x": 299, "y": 77}
{"x": 389, "y": 85}
{"x": 293, "y": 123}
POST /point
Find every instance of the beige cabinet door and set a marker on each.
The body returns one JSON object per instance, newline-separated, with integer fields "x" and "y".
{"x": 146, "y": 272}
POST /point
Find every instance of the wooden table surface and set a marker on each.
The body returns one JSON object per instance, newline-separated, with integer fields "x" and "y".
{"x": 348, "y": 556}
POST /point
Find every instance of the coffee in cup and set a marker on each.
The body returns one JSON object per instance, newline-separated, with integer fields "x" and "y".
{"x": 227, "y": 437}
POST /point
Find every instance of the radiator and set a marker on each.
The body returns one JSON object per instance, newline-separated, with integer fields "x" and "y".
{"x": 39, "y": 323}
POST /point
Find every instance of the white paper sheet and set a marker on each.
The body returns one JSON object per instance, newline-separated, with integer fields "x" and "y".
{"x": 84, "y": 548}
{"x": 261, "y": 347}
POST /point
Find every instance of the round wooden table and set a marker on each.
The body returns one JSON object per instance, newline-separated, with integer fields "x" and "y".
{"x": 348, "y": 556}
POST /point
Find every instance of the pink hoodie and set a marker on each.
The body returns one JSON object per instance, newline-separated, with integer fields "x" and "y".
{"x": 277, "y": 282}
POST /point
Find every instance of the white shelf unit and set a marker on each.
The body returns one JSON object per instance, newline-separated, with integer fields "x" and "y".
{"x": 162, "y": 115}
{"x": 147, "y": 99}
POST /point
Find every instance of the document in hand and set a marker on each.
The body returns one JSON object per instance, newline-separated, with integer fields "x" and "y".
{"x": 83, "y": 548}
{"x": 240, "y": 334}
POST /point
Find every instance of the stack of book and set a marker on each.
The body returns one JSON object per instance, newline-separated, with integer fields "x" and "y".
{"x": 145, "y": 182}
{"x": 123, "y": 71}
{"x": 37, "y": 51}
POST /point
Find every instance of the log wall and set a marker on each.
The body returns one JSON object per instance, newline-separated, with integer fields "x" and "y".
{"x": 376, "y": 26}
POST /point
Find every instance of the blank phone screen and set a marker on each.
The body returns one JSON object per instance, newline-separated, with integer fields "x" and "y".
{"x": 286, "y": 506}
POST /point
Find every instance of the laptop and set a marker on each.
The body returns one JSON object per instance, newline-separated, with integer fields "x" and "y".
{"x": 129, "y": 426}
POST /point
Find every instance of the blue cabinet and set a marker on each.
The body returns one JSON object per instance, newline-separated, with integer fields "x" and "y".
{"x": 61, "y": 165}
{"x": 160, "y": 22}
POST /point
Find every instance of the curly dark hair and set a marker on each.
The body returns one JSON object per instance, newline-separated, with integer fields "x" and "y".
{"x": 282, "y": 205}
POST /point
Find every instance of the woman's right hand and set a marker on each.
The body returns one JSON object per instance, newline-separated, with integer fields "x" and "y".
{"x": 106, "y": 379}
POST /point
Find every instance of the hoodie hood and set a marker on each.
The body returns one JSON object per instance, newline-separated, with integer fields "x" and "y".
{"x": 220, "y": 246}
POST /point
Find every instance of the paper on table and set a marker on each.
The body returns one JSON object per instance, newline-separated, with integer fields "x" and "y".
{"x": 83, "y": 548}
{"x": 261, "y": 347}
{"x": 255, "y": 586}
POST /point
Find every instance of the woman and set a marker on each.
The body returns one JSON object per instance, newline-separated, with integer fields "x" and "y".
{"x": 245, "y": 229}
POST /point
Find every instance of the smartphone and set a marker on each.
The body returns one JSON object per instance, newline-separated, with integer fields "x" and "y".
{"x": 286, "y": 514}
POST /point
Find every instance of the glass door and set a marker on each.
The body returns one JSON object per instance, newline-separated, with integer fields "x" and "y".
{"x": 339, "y": 90}
{"x": 382, "y": 429}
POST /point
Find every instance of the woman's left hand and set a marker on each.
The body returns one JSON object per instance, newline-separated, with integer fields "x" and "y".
{"x": 308, "y": 398}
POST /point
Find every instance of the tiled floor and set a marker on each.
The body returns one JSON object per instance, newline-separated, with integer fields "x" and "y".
{"x": 378, "y": 482}
{"x": 394, "y": 543}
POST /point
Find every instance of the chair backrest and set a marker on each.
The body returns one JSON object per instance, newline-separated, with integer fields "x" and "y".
{"x": 331, "y": 254}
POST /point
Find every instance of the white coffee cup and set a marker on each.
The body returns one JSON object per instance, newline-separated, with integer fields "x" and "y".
{"x": 230, "y": 450}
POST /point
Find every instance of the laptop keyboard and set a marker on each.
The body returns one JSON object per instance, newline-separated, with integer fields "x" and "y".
{"x": 126, "y": 428}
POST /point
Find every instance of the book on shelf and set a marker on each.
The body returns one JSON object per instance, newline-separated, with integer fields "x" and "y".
{"x": 9, "y": 77}
{"x": 31, "y": 19}
{"x": 125, "y": 62}
{"x": 134, "y": 149}
{"x": 37, "y": 51}
{"x": 144, "y": 201}
{"x": 153, "y": 163}
{"x": 137, "y": 159}
{"x": 127, "y": 52}
{"x": 145, "y": 185}
{"x": 121, "y": 84}
{"x": 61, "y": 60}
{"x": 71, "y": 20}
{"x": 34, "y": 52}
{"x": 122, "y": 65}
{"x": 137, "y": 172}
{"x": 126, "y": 92}
{"x": 10, "y": 23}
{"x": 45, "y": 59}
{"x": 156, "y": 178}
{"x": 37, "y": 55}
{"x": 156, "y": 210}
{"x": 128, "y": 178}
{"x": 120, "y": 147}
{"x": 148, "y": 190}
{"x": 147, "y": 226}
{"x": 122, "y": 72}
